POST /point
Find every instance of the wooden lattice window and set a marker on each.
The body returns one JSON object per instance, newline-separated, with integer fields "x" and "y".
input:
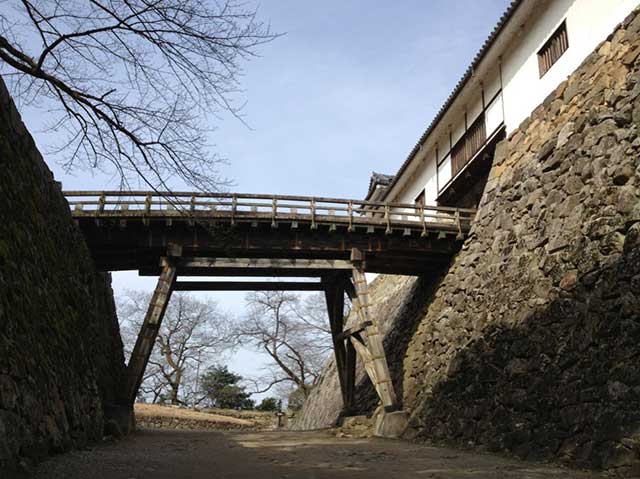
{"x": 553, "y": 49}
{"x": 468, "y": 145}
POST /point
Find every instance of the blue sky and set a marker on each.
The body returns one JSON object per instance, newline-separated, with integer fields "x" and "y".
{"x": 348, "y": 90}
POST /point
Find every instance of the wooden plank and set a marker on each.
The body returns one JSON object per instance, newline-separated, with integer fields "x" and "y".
{"x": 358, "y": 328}
{"x": 265, "y": 263}
{"x": 373, "y": 350}
{"x": 243, "y": 272}
{"x": 248, "y": 286}
{"x": 149, "y": 330}
{"x": 447, "y": 222}
{"x": 365, "y": 355}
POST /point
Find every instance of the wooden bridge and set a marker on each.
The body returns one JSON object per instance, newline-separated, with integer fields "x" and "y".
{"x": 171, "y": 235}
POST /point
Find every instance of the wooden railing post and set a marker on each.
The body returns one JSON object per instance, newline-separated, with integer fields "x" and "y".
{"x": 274, "y": 210}
{"x": 457, "y": 215}
{"x": 387, "y": 217}
{"x": 234, "y": 206}
{"x": 313, "y": 214}
{"x": 101, "y": 203}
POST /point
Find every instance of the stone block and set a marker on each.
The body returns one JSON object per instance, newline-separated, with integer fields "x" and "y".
{"x": 391, "y": 425}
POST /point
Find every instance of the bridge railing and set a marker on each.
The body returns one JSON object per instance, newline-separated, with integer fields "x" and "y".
{"x": 274, "y": 208}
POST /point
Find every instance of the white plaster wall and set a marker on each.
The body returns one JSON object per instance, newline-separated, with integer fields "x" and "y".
{"x": 424, "y": 178}
{"x": 444, "y": 171}
{"x": 443, "y": 143}
{"x": 589, "y": 22}
{"x": 457, "y": 128}
{"x": 494, "y": 116}
{"x": 474, "y": 108}
{"x": 491, "y": 83}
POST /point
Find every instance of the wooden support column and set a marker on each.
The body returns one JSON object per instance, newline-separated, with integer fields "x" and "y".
{"x": 350, "y": 376}
{"x": 345, "y": 357}
{"x": 371, "y": 346}
{"x": 150, "y": 327}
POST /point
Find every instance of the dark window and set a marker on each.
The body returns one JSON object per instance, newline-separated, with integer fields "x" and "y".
{"x": 420, "y": 199}
{"x": 468, "y": 145}
{"x": 553, "y": 49}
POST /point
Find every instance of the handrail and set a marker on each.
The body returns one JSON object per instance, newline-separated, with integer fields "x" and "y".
{"x": 273, "y": 208}
{"x": 178, "y": 194}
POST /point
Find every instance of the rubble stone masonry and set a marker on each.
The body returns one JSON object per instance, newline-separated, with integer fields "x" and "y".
{"x": 532, "y": 343}
{"x": 61, "y": 360}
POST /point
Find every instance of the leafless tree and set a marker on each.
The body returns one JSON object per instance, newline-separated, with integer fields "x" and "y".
{"x": 193, "y": 333}
{"x": 293, "y": 332}
{"x": 131, "y": 82}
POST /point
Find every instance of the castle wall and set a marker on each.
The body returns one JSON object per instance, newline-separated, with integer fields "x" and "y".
{"x": 530, "y": 343}
{"x": 61, "y": 360}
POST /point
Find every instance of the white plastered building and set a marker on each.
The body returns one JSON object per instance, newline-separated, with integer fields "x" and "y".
{"x": 535, "y": 46}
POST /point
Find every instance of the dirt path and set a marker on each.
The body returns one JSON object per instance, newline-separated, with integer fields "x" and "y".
{"x": 168, "y": 454}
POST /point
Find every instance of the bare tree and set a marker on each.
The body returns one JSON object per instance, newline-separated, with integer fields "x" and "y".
{"x": 293, "y": 332}
{"x": 131, "y": 81}
{"x": 193, "y": 333}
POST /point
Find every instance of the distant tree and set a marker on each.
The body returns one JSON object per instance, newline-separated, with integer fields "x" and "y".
{"x": 296, "y": 399}
{"x": 191, "y": 332}
{"x": 221, "y": 389}
{"x": 129, "y": 83}
{"x": 268, "y": 404}
{"x": 293, "y": 332}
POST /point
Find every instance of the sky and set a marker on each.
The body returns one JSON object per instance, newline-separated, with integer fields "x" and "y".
{"x": 348, "y": 89}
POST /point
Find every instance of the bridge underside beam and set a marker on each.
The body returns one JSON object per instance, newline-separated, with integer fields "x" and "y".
{"x": 243, "y": 272}
{"x": 248, "y": 286}
{"x": 265, "y": 263}
{"x": 138, "y": 246}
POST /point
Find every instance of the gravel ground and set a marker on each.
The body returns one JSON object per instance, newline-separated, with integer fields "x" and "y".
{"x": 173, "y": 454}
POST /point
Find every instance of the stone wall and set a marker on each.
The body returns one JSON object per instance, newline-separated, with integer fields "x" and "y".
{"x": 399, "y": 302}
{"x": 530, "y": 344}
{"x": 155, "y": 416}
{"x": 61, "y": 360}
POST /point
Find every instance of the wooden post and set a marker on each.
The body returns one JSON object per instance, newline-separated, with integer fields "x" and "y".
{"x": 350, "y": 376}
{"x": 150, "y": 327}
{"x": 373, "y": 350}
{"x": 345, "y": 359}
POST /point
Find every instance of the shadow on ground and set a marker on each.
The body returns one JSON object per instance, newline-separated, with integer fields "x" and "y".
{"x": 162, "y": 454}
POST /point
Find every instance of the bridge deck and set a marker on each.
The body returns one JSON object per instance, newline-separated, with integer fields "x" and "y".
{"x": 131, "y": 230}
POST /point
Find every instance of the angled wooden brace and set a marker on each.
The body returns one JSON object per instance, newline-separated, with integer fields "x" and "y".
{"x": 369, "y": 343}
{"x": 150, "y": 327}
